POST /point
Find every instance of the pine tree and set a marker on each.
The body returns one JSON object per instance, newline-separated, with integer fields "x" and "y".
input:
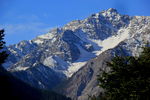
{"x": 128, "y": 79}
{"x": 3, "y": 54}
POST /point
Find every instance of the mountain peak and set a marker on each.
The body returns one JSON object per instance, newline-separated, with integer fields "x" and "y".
{"x": 111, "y": 10}
{"x": 109, "y": 13}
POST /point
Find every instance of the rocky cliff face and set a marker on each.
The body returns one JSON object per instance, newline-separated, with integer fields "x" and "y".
{"x": 66, "y": 52}
{"x": 84, "y": 82}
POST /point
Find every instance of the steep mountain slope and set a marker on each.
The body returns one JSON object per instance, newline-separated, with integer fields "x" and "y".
{"x": 84, "y": 82}
{"x": 14, "y": 89}
{"x": 51, "y": 58}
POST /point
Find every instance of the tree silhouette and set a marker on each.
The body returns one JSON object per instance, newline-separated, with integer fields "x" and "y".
{"x": 3, "y": 54}
{"x": 128, "y": 79}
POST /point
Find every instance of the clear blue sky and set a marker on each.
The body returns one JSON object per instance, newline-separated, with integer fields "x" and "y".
{"x": 26, "y": 19}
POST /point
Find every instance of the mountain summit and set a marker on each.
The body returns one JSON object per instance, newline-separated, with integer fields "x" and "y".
{"x": 62, "y": 52}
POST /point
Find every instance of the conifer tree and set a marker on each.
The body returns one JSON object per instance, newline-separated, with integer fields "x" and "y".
{"x": 128, "y": 79}
{"x": 3, "y": 54}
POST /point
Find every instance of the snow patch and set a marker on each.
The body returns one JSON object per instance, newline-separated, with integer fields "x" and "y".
{"x": 50, "y": 62}
{"x": 20, "y": 68}
{"x": 84, "y": 57}
{"x": 38, "y": 41}
{"x": 74, "y": 67}
{"x": 47, "y": 36}
{"x": 112, "y": 42}
{"x": 56, "y": 63}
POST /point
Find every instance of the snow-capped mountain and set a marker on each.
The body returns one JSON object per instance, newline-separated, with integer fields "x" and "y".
{"x": 84, "y": 82}
{"x": 58, "y": 54}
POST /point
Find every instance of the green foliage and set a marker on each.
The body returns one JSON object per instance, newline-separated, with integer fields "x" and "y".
{"x": 129, "y": 77}
{"x": 3, "y": 54}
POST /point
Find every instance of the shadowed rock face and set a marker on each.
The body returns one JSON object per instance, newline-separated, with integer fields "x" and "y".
{"x": 47, "y": 76}
{"x": 84, "y": 83}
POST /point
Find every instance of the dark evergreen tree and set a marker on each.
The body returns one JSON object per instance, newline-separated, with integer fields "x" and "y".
{"x": 3, "y": 54}
{"x": 128, "y": 79}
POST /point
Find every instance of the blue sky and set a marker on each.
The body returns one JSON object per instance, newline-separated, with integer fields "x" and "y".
{"x": 26, "y": 19}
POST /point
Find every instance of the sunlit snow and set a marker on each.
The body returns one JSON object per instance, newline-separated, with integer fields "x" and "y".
{"x": 106, "y": 44}
{"x": 112, "y": 42}
{"x": 20, "y": 68}
{"x": 84, "y": 57}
